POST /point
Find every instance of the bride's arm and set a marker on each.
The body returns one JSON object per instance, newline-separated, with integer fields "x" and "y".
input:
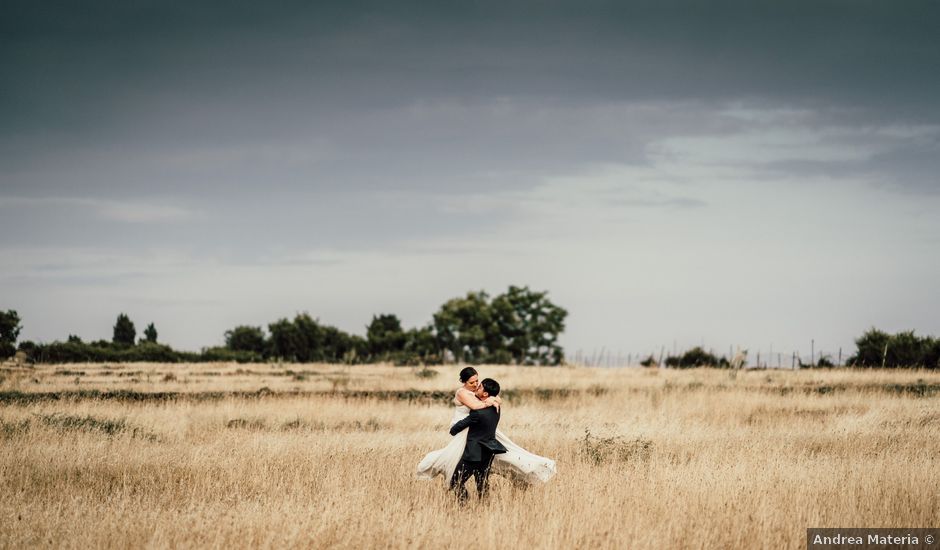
{"x": 467, "y": 398}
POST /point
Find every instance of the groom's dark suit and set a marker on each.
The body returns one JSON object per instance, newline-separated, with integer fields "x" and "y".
{"x": 478, "y": 454}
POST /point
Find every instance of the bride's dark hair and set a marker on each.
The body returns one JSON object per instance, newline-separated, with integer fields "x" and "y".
{"x": 466, "y": 373}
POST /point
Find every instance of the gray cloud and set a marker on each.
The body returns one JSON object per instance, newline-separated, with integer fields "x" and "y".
{"x": 112, "y": 65}
{"x": 330, "y": 141}
{"x": 659, "y": 203}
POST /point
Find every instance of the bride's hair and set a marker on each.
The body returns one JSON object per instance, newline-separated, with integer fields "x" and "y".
{"x": 466, "y": 373}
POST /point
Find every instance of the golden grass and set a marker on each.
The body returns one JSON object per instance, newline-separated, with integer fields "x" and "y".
{"x": 646, "y": 458}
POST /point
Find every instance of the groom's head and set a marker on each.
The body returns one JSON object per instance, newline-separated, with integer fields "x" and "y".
{"x": 489, "y": 387}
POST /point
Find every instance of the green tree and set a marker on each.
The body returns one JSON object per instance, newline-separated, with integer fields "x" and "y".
{"x": 286, "y": 341}
{"x": 463, "y": 326}
{"x": 312, "y": 338}
{"x": 124, "y": 331}
{"x": 9, "y": 331}
{"x": 905, "y": 349}
{"x": 339, "y": 346}
{"x": 421, "y": 346}
{"x": 299, "y": 340}
{"x": 245, "y": 338}
{"x": 527, "y": 326}
{"x": 385, "y": 336}
{"x": 150, "y": 334}
{"x": 870, "y": 348}
{"x": 932, "y": 353}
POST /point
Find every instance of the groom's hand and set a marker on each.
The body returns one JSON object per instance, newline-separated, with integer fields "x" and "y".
{"x": 463, "y": 424}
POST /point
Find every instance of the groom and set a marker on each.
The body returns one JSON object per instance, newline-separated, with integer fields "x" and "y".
{"x": 481, "y": 444}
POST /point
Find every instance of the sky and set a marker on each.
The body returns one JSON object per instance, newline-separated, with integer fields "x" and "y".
{"x": 731, "y": 173}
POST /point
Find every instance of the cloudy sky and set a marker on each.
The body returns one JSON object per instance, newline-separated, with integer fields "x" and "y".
{"x": 724, "y": 173}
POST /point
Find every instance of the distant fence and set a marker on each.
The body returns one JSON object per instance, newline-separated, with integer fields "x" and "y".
{"x": 770, "y": 358}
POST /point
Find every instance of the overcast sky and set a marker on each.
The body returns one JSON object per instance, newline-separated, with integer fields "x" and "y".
{"x": 674, "y": 173}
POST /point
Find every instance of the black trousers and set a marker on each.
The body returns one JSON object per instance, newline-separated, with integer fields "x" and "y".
{"x": 480, "y": 470}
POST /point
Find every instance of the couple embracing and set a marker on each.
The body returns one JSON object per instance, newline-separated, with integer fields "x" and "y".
{"x": 478, "y": 447}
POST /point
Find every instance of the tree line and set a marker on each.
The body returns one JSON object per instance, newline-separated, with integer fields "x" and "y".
{"x": 519, "y": 326}
{"x": 874, "y": 348}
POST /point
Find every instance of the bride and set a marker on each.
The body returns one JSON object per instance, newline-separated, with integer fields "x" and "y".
{"x": 516, "y": 464}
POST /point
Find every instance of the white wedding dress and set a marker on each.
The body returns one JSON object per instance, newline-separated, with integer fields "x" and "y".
{"x": 516, "y": 464}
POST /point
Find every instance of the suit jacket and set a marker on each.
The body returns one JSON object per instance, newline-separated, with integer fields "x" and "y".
{"x": 482, "y": 424}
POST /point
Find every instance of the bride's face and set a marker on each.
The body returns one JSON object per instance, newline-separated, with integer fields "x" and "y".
{"x": 472, "y": 383}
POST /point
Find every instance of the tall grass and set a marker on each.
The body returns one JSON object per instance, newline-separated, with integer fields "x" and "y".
{"x": 646, "y": 458}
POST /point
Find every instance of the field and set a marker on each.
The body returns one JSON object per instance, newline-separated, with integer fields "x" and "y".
{"x": 235, "y": 456}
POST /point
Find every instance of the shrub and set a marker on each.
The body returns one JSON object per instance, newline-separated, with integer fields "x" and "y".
{"x": 426, "y": 373}
{"x": 229, "y": 355}
{"x": 599, "y": 450}
{"x": 904, "y": 349}
{"x": 695, "y": 357}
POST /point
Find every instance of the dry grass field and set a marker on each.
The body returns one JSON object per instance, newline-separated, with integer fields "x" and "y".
{"x": 244, "y": 456}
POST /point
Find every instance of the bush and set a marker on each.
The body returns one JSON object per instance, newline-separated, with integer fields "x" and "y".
{"x": 904, "y": 349}
{"x": 80, "y": 352}
{"x": 229, "y": 355}
{"x": 426, "y": 373}
{"x": 695, "y": 357}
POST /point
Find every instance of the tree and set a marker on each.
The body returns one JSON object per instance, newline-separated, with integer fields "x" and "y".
{"x": 528, "y": 325}
{"x": 150, "y": 334}
{"x": 245, "y": 338}
{"x": 124, "y": 331}
{"x": 9, "y": 331}
{"x": 464, "y": 326}
{"x": 312, "y": 338}
{"x": 299, "y": 340}
{"x": 932, "y": 353}
{"x": 421, "y": 346}
{"x": 385, "y": 336}
{"x": 339, "y": 346}
{"x": 286, "y": 341}
{"x": 870, "y": 348}
{"x": 904, "y": 349}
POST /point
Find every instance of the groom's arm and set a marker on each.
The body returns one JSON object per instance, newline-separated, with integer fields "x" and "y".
{"x": 462, "y": 425}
